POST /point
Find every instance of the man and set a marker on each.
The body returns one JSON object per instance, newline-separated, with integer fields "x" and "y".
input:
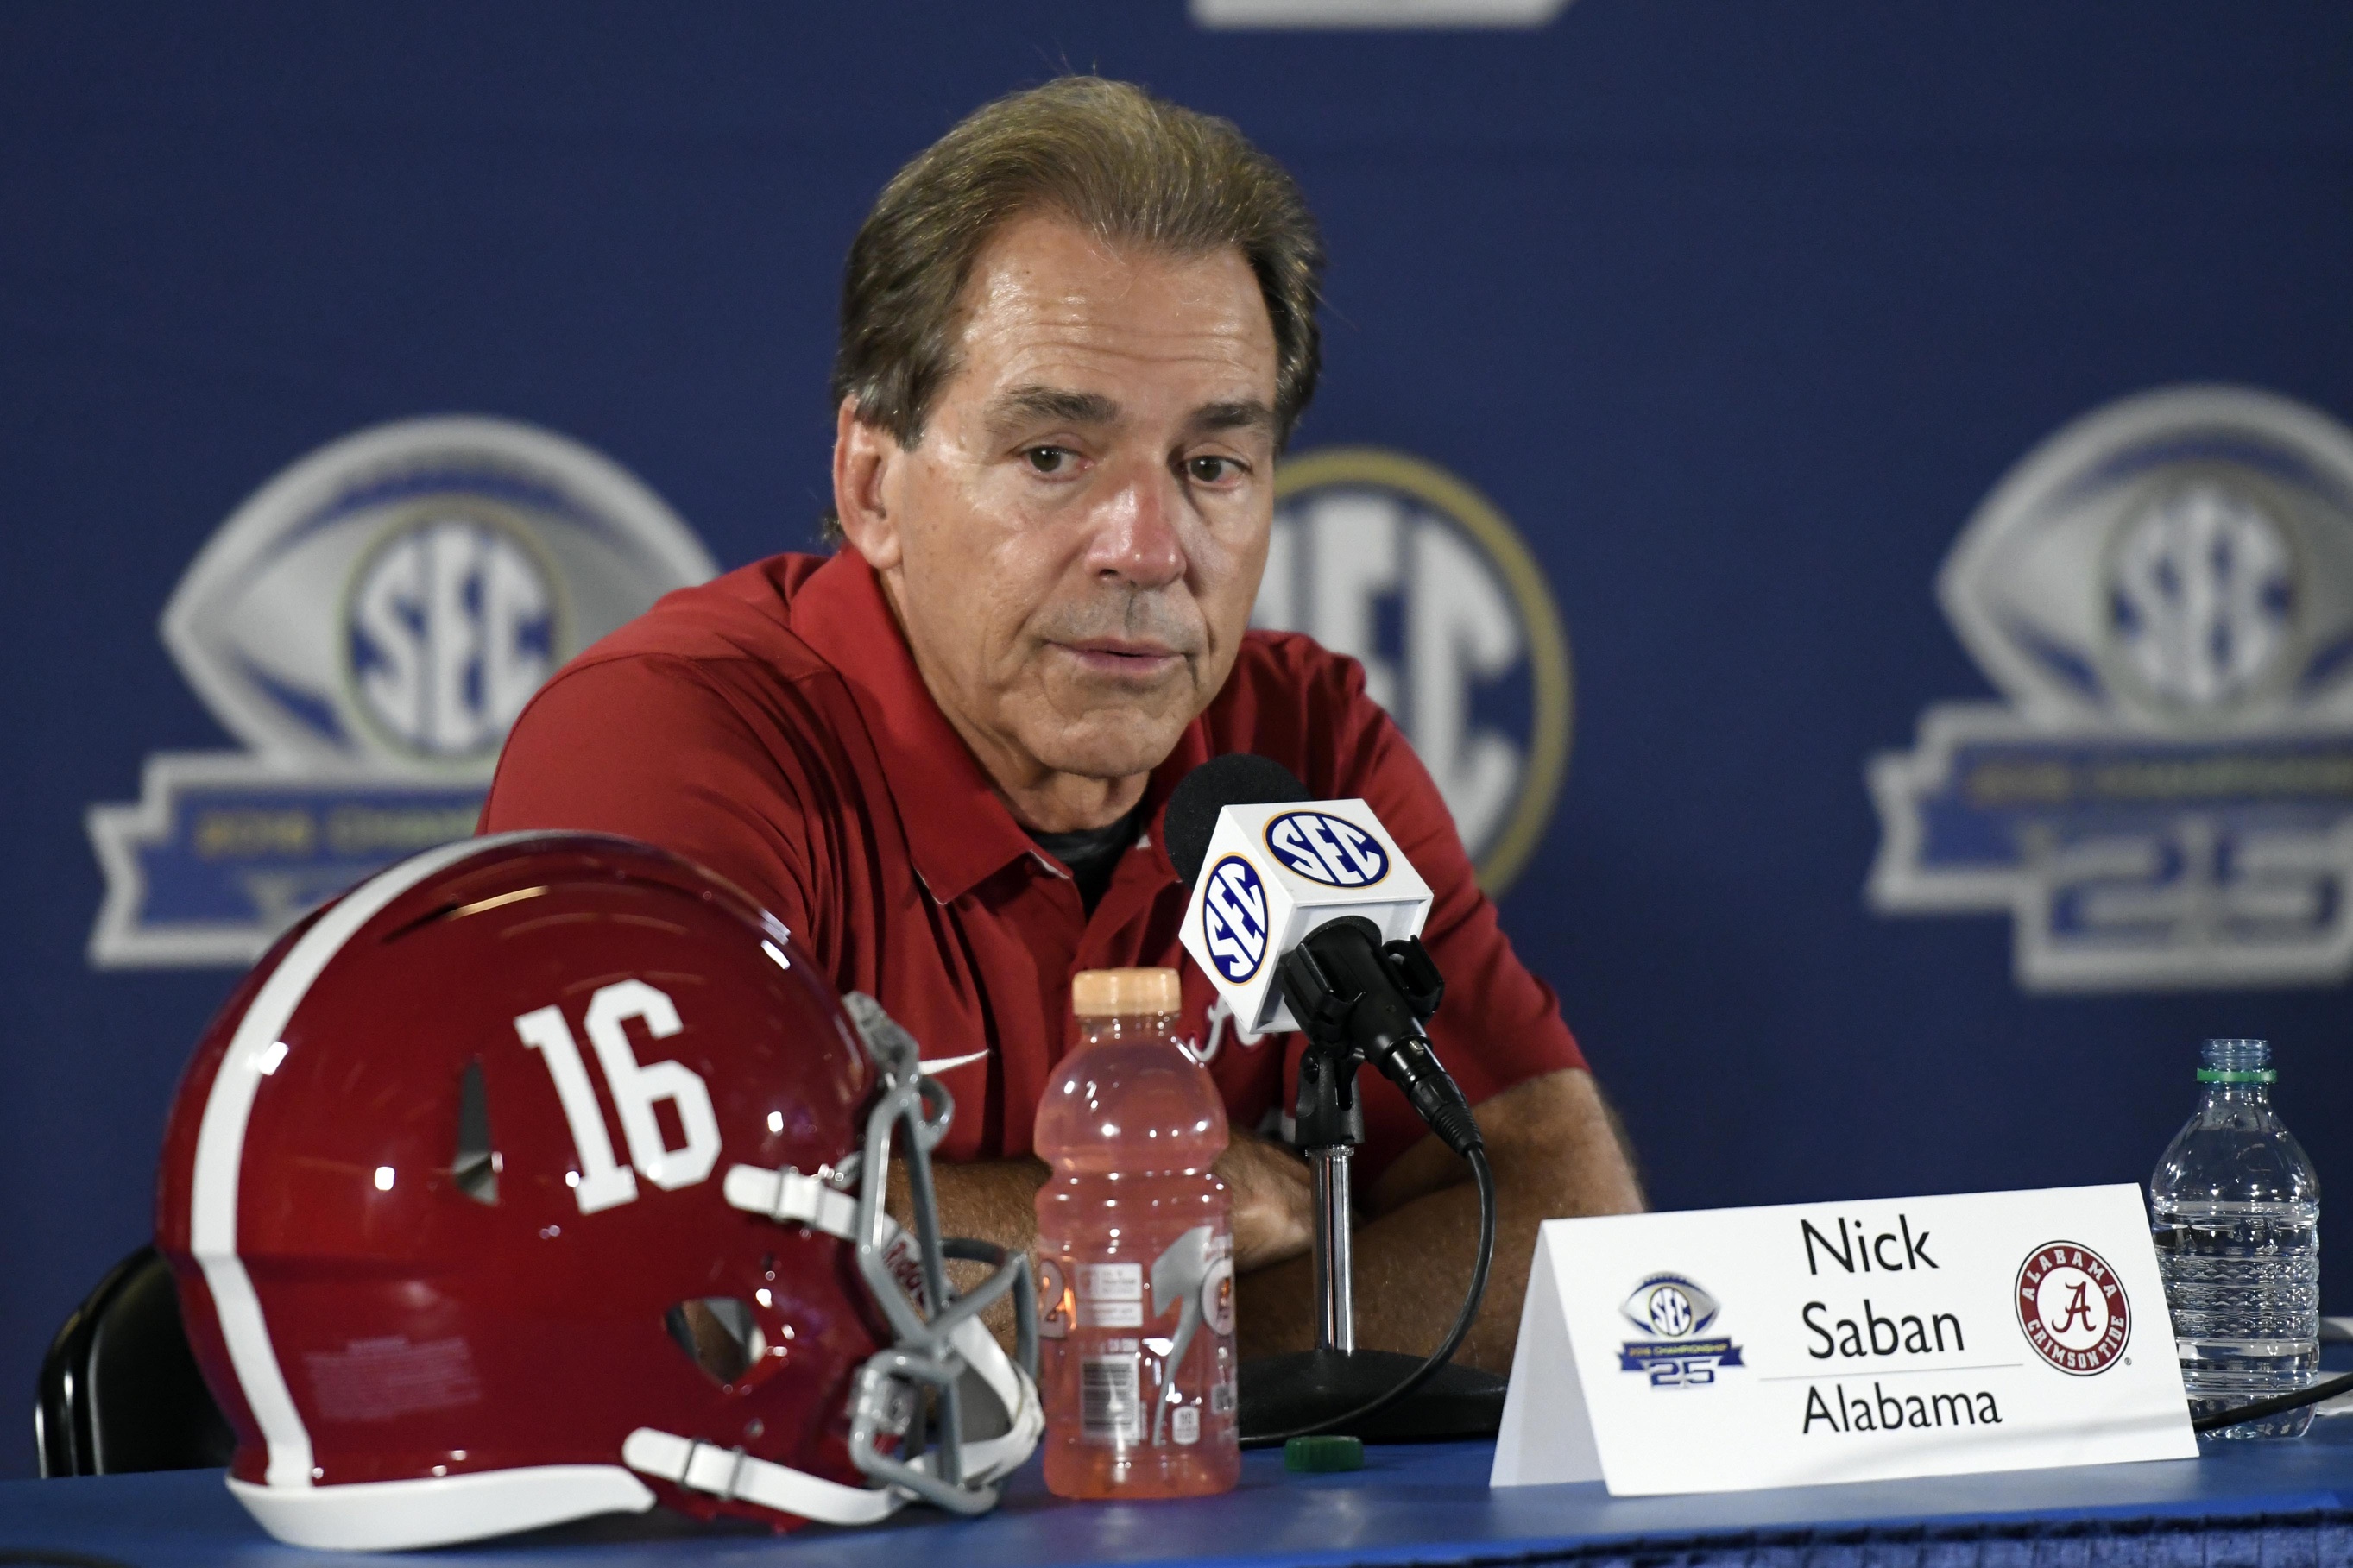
{"x": 1075, "y": 334}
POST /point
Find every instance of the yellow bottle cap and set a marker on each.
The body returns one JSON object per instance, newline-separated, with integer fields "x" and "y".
{"x": 1124, "y": 993}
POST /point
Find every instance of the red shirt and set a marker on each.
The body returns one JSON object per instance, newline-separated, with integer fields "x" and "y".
{"x": 772, "y": 725}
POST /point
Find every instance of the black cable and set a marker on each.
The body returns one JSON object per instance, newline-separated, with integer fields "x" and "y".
{"x": 1484, "y": 1175}
{"x": 2278, "y": 1404}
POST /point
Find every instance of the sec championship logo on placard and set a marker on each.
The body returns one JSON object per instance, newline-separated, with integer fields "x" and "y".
{"x": 2163, "y": 593}
{"x": 1403, "y": 567}
{"x": 369, "y": 624}
{"x": 2073, "y": 1308}
{"x": 1682, "y": 1354}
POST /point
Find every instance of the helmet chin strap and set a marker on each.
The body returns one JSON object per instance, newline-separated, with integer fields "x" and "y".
{"x": 790, "y": 1197}
{"x": 939, "y": 1336}
{"x": 733, "y": 1475}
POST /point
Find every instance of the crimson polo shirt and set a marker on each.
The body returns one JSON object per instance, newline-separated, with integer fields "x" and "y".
{"x": 772, "y": 725}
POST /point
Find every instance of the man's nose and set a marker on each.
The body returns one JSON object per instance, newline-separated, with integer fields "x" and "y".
{"x": 1136, "y": 537}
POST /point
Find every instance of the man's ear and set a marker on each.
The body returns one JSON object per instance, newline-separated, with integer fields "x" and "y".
{"x": 863, "y": 456}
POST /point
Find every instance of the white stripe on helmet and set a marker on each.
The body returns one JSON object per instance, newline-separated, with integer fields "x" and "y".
{"x": 254, "y": 1052}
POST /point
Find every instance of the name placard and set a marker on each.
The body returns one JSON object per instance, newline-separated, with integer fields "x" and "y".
{"x": 1721, "y": 1349}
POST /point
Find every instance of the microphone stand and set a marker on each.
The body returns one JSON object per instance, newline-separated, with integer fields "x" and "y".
{"x": 1282, "y": 1393}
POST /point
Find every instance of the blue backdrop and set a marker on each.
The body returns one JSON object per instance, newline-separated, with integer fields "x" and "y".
{"x": 1737, "y": 312}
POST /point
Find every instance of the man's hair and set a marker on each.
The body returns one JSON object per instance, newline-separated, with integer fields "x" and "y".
{"x": 1110, "y": 157}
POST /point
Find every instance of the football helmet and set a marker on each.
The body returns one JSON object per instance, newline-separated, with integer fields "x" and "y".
{"x": 541, "y": 1176}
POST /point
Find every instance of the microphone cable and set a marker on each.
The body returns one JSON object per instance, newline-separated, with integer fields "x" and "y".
{"x": 1483, "y": 1175}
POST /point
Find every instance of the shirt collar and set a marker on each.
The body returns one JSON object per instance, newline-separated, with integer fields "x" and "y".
{"x": 957, "y": 829}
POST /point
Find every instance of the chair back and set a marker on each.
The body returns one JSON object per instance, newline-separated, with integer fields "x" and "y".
{"x": 119, "y": 1390}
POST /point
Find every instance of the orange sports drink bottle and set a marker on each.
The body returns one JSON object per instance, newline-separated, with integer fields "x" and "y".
{"x": 1135, "y": 1255}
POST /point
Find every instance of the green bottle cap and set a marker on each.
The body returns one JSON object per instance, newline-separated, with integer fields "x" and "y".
{"x": 1318, "y": 1456}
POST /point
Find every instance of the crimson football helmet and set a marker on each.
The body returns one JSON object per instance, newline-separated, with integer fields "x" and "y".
{"x": 541, "y": 1176}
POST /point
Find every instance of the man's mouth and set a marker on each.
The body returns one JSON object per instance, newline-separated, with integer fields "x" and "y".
{"x": 1122, "y": 659}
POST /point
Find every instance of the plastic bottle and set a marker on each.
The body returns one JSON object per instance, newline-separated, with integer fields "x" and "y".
{"x": 1134, "y": 1255}
{"x": 2236, "y": 1208}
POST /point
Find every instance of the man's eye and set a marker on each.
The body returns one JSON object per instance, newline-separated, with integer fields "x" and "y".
{"x": 1048, "y": 459}
{"x": 1210, "y": 470}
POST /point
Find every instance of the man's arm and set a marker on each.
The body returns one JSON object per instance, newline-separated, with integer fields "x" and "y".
{"x": 995, "y": 1201}
{"x": 1556, "y": 1153}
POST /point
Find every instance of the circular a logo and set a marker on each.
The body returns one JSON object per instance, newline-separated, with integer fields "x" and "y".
{"x": 2073, "y": 1308}
{"x": 450, "y": 623}
{"x": 1233, "y": 919}
{"x": 1405, "y": 568}
{"x": 1327, "y": 849}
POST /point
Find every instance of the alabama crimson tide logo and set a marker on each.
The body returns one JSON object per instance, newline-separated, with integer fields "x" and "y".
{"x": 2073, "y": 1308}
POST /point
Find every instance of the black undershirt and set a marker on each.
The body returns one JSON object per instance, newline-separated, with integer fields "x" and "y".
{"x": 1091, "y": 854}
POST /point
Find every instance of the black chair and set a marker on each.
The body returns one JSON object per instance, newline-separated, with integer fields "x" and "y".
{"x": 119, "y": 1390}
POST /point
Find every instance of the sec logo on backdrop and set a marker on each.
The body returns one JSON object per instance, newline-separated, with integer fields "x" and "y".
{"x": 1408, "y": 569}
{"x": 369, "y": 624}
{"x": 2163, "y": 593}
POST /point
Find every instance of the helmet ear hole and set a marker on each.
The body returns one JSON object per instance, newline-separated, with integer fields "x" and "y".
{"x": 718, "y": 1334}
{"x": 475, "y": 1166}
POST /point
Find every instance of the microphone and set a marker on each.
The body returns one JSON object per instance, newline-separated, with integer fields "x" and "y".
{"x": 1306, "y": 915}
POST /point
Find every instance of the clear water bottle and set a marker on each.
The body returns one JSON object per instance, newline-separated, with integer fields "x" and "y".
{"x": 2236, "y": 1206}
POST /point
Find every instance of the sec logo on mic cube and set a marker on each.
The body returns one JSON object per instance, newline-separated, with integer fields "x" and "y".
{"x": 1277, "y": 871}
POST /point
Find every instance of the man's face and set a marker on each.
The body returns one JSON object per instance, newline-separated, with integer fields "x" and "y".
{"x": 1074, "y": 544}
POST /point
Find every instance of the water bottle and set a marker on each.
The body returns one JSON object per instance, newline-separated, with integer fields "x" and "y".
{"x": 1136, "y": 1273}
{"x": 2236, "y": 1206}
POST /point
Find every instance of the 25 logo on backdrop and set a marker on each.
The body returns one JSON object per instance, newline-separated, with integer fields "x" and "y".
{"x": 370, "y": 624}
{"x": 2163, "y": 591}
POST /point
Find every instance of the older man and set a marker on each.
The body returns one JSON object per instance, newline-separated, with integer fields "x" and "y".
{"x": 1076, "y": 332}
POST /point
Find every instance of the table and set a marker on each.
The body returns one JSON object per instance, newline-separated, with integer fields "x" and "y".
{"x": 2269, "y": 1504}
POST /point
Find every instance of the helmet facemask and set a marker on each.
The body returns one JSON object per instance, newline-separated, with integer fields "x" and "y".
{"x": 942, "y": 1358}
{"x": 947, "y": 1352}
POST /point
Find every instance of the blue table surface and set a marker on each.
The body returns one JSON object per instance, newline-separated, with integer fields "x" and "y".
{"x": 1415, "y": 1504}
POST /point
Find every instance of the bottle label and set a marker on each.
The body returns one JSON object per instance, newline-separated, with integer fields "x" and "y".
{"x": 1217, "y": 1293}
{"x": 1056, "y": 1309}
{"x": 1111, "y": 1402}
{"x": 1110, "y": 1295}
{"x": 1150, "y": 1342}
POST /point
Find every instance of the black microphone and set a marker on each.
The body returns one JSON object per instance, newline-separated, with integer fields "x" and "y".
{"x": 1238, "y": 778}
{"x": 1351, "y": 992}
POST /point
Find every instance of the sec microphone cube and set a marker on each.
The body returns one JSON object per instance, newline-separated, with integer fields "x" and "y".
{"x": 1272, "y": 873}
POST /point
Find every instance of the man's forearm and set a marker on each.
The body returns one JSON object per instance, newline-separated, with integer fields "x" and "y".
{"x": 986, "y": 1200}
{"x": 995, "y": 1201}
{"x": 1555, "y": 1153}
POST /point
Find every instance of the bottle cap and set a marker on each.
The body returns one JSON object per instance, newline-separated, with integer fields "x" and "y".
{"x": 1124, "y": 993}
{"x": 1323, "y": 1454}
{"x": 2236, "y": 1061}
